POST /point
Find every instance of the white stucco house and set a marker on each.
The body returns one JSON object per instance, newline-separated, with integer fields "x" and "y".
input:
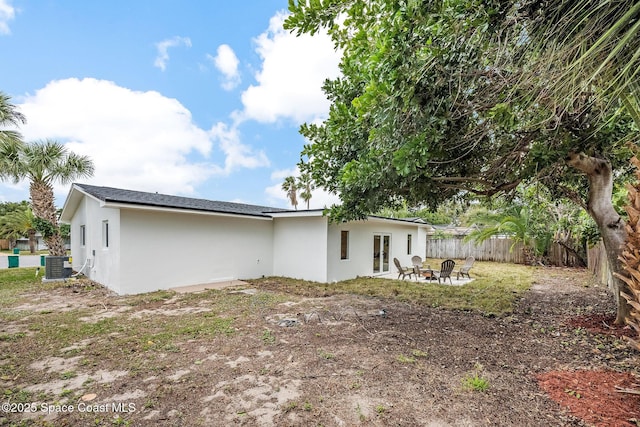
{"x": 134, "y": 242}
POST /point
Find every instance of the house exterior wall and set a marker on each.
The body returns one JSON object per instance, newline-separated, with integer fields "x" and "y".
{"x": 360, "y": 256}
{"x": 421, "y": 243}
{"x": 300, "y": 248}
{"x": 152, "y": 248}
{"x": 100, "y": 263}
{"x": 161, "y": 250}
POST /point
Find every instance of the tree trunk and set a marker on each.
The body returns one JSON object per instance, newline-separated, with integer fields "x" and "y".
{"x": 610, "y": 224}
{"x": 55, "y": 244}
{"x": 42, "y": 201}
{"x": 43, "y": 207}
{"x": 32, "y": 241}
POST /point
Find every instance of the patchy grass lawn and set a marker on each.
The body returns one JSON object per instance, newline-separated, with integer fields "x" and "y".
{"x": 286, "y": 352}
{"x": 494, "y": 290}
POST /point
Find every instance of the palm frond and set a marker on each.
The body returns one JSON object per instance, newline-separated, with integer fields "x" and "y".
{"x": 9, "y": 114}
{"x": 11, "y": 165}
{"x": 585, "y": 47}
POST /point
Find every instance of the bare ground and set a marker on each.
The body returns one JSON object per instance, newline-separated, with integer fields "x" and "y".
{"x": 333, "y": 361}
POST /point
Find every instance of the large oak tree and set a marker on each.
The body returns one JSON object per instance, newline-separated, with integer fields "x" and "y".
{"x": 446, "y": 99}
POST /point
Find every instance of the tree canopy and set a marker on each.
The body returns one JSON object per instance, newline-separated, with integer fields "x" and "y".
{"x": 583, "y": 45}
{"x": 43, "y": 163}
{"x": 19, "y": 223}
{"x": 438, "y": 100}
{"x": 465, "y": 97}
{"x": 10, "y": 118}
{"x": 8, "y": 207}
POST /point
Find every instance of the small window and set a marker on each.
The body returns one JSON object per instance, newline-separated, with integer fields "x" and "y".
{"x": 344, "y": 245}
{"x": 83, "y": 235}
{"x": 409, "y": 244}
{"x": 105, "y": 234}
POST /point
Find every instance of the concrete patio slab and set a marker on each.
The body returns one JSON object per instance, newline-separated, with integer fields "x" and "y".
{"x": 453, "y": 282}
{"x": 209, "y": 286}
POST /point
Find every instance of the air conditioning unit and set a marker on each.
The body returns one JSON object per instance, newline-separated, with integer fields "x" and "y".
{"x": 57, "y": 267}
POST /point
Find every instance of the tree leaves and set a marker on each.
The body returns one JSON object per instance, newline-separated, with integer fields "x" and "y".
{"x": 438, "y": 98}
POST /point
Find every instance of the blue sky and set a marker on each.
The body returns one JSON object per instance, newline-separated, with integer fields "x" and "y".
{"x": 197, "y": 98}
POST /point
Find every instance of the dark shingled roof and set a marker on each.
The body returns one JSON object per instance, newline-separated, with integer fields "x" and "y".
{"x": 117, "y": 195}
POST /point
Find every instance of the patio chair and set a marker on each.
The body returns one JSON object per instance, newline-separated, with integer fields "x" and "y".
{"x": 403, "y": 271}
{"x": 444, "y": 273}
{"x": 417, "y": 264}
{"x": 464, "y": 270}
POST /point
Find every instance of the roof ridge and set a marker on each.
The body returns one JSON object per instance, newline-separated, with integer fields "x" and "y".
{"x": 121, "y": 195}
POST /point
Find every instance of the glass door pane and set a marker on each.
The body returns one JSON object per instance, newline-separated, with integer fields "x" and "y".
{"x": 376, "y": 254}
{"x": 385, "y": 253}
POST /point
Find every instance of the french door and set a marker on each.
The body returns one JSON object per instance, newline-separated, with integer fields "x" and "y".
{"x": 381, "y": 243}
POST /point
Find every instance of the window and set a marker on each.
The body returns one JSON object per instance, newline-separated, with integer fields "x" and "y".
{"x": 344, "y": 245}
{"x": 409, "y": 244}
{"x": 83, "y": 235}
{"x": 105, "y": 234}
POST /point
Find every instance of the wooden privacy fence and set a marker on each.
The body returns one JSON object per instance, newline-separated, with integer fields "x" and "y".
{"x": 598, "y": 264}
{"x": 499, "y": 250}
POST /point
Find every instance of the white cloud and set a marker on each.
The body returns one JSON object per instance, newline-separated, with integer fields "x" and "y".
{"x": 163, "y": 50}
{"x": 227, "y": 62}
{"x": 7, "y": 13}
{"x": 291, "y": 77}
{"x": 137, "y": 140}
{"x": 237, "y": 155}
{"x": 281, "y": 174}
{"x": 320, "y": 199}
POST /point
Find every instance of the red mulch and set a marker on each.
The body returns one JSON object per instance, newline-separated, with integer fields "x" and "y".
{"x": 592, "y": 396}
{"x": 601, "y": 324}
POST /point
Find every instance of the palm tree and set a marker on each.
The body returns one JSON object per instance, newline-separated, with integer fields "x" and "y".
{"x": 514, "y": 224}
{"x": 11, "y": 117}
{"x": 306, "y": 184}
{"x": 517, "y": 222}
{"x": 290, "y": 187}
{"x": 590, "y": 47}
{"x": 630, "y": 259}
{"x": 17, "y": 224}
{"x": 8, "y": 232}
{"x": 43, "y": 163}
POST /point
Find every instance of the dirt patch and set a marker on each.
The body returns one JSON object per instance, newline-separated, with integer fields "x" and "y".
{"x": 595, "y": 396}
{"x": 339, "y": 360}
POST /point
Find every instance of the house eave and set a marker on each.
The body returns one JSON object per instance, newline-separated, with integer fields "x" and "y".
{"x": 374, "y": 218}
{"x": 147, "y": 207}
{"x": 297, "y": 214}
{"x": 370, "y": 218}
{"x": 72, "y": 202}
